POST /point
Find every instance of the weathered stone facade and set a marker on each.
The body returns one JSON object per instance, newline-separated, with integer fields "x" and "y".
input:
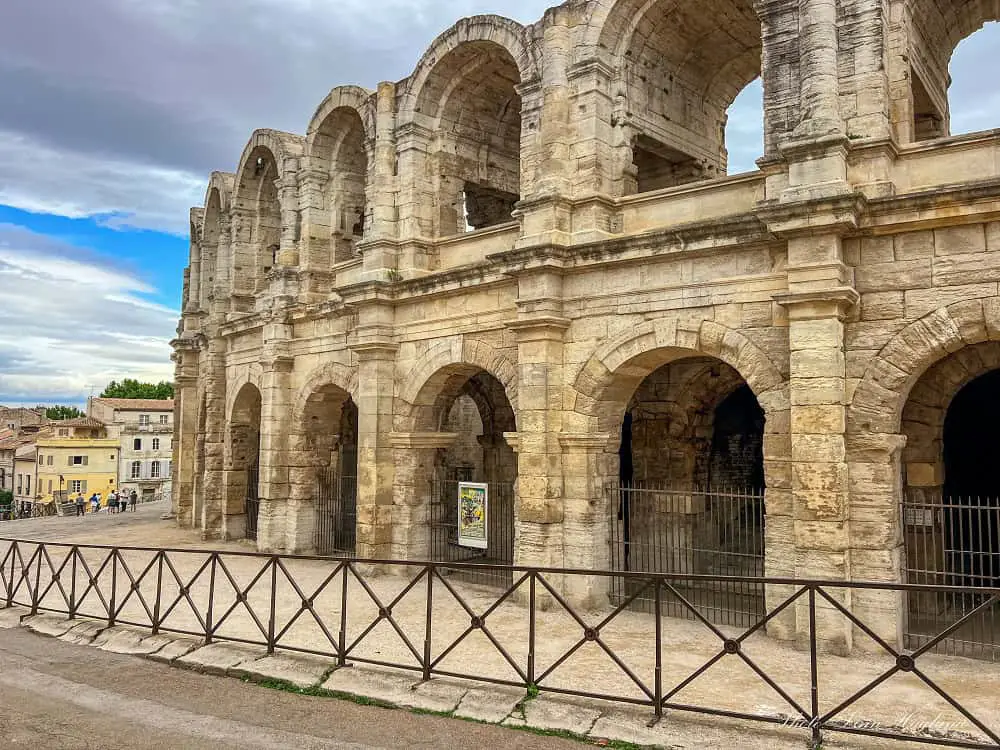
{"x": 537, "y": 220}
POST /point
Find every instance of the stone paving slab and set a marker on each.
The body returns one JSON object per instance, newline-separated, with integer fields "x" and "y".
{"x": 545, "y": 712}
{"x": 171, "y": 648}
{"x": 298, "y": 671}
{"x": 122, "y": 639}
{"x": 220, "y": 658}
{"x": 388, "y": 686}
{"x": 10, "y": 617}
{"x": 491, "y": 705}
{"x": 439, "y": 695}
{"x": 82, "y": 633}
{"x": 51, "y": 625}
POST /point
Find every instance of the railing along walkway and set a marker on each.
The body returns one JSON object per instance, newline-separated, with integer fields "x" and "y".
{"x": 423, "y": 619}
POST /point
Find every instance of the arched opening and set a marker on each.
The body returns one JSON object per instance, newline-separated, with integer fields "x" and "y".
{"x": 470, "y": 97}
{"x": 951, "y": 508}
{"x": 339, "y": 146}
{"x": 948, "y": 45}
{"x": 744, "y": 133}
{"x": 691, "y": 494}
{"x": 259, "y": 245}
{"x": 683, "y": 64}
{"x": 243, "y": 459}
{"x": 470, "y": 406}
{"x": 209, "y": 248}
{"x": 331, "y": 448}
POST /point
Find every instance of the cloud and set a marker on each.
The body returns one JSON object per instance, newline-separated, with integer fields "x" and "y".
{"x": 71, "y": 320}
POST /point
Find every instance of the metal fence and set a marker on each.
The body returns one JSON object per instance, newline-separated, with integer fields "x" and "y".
{"x": 252, "y": 502}
{"x": 657, "y": 529}
{"x": 953, "y": 541}
{"x": 201, "y": 593}
{"x": 443, "y": 527}
{"x": 336, "y": 512}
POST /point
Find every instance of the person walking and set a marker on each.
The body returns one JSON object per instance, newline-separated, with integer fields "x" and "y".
{"x": 79, "y": 504}
{"x": 132, "y": 500}
{"x": 113, "y": 501}
{"x": 95, "y": 502}
{"x": 123, "y": 502}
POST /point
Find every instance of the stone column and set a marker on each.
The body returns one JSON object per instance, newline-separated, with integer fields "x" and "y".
{"x": 818, "y": 75}
{"x": 213, "y": 484}
{"x": 288, "y": 197}
{"x": 414, "y": 460}
{"x": 876, "y": 490}
{"x": 539, "y": 506}
{"x": 586, "y": 461}
{"x": 315, "y": 257}
{"x": 185, "y": 431}
{"x": 275, "y": 439}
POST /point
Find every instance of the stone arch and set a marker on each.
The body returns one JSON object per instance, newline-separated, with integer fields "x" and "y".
{"x": 878, "y": 401}
{"x": 931, "y": 30}
{"x": 504, "y": 32}
{"x": 678, "y": 65}
{"x": 353, "y": 98}
{"x": 610, "y": 377}
{"x": 252, "y": 377}
{"x": 447, "y": 359}
{"x": 335, "y": 374}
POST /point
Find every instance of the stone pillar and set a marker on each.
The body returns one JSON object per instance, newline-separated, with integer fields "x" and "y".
{"x": 186, "y": 356}
{"x": 213, "y": 484}
{"x": 414, "y": 461}
{"x": 288, "y": 197}
{"x": 818, "y": 74}
{"x": 877, "y": 551}
{"x": 587, "y": 460}
{"x": 275, "y": 439}
{"x": 315, "y": 258}
{"x": 376, "y": 353}
{"x": 539, "y": 506}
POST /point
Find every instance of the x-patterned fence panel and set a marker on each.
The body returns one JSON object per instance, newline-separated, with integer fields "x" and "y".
{"x": 425, "y": 618}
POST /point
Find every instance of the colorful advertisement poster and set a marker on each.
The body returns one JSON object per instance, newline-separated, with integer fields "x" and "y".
{"x": 472, "y": 509}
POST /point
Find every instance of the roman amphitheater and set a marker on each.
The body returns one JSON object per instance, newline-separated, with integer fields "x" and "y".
{"x": 526, "y": 265}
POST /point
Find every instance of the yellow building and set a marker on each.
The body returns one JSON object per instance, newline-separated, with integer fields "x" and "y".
{"x": 79, "y": 457}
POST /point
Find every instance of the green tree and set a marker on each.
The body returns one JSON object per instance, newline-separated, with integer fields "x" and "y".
{"x": 131, "y": 388}
{"x": 61, "y": 412}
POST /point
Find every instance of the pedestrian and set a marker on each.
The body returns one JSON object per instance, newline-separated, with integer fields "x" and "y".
{"x": 132, "y": 499}
{"x": 79, "y": 504}
{"x": 95, "y": 502}
{"x": 113, "y": 501}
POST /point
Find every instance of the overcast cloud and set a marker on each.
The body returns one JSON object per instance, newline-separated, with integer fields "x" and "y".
{"x": 119, "y": 109}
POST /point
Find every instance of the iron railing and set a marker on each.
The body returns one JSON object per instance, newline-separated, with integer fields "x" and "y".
{"x": 659, "y": 529}
{"x": 252, "y": 500}
{"x": 444, "y": 629}
{"x": 336, "y": 512}
{"x": 953, "y": 541}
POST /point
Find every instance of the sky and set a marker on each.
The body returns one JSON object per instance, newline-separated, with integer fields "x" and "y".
{"x": 115, "y": 112}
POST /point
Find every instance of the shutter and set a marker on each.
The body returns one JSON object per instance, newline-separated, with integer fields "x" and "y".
{"x": 83, "y": 485}
{"x": 69, "y": 460}
{"x": 85, "y": 460}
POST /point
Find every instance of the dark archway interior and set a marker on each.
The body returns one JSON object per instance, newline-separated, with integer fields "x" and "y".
{"x": 736, "y": 458}
{"x": 332, "y": 442}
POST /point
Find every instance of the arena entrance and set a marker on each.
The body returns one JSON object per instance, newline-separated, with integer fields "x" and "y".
{"x": 331, "y": 444}
{"x": 243, "y": 459}
{"x": 690, "y": 495}
{"x": 475, "y": 408}
{"x": 951, "y": 505}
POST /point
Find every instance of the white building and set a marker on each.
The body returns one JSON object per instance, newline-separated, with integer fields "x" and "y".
{"x": 145, "y": 428}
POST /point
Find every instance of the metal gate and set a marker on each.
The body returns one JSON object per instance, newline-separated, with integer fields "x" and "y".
{"x": 336, "y": 513}
{"x": 661, "y": 530}
{"x": 953, "y": 542}
{"x": 443, "y": 523}
{"x": 252, "y": 503}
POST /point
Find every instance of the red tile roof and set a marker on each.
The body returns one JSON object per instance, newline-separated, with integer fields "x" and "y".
{"x": 137, "y": 404}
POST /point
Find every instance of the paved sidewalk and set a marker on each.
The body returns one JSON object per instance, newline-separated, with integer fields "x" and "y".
{"x": 903, "y": 701}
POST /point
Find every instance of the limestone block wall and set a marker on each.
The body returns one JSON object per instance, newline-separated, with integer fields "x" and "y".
{"x": 535, "y": 222}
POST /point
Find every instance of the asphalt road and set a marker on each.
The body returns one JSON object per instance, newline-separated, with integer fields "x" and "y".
{"x": 56, "y": 696}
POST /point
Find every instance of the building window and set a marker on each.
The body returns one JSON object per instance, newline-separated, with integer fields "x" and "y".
{"x": 49, "y": 460}
{"x": 137, "y": 444}
{"x": 20, "y": 484}
{"x": 144, "y": 420}
{"x": 154, "y": 470}
{"x": 156, "y": 444}
{"x": 78, "y": 460}
{"x": 63, "y": 433}
{"x": 50, "y": 486}
{"x": 164, "y": 419}
{"x": 135, "y": 470}
{"x": 78, "y": 485}
{"x": 27, "y": 489}
{"x": 111, "y": 457}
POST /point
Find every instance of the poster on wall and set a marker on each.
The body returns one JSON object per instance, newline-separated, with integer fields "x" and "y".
{"x": 473, "y": 500}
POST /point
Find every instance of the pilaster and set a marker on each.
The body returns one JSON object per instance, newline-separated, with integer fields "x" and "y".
{"x": 415, "y": 463}
{"x": 274, "y": 483}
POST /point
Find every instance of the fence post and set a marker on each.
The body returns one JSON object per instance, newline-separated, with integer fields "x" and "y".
{"x": 211, "y": 597}
{"x": 817, "y": 735}
{"x": 159, "y": 591}
{"x": 429, "y": 570}
{"x": 658, "y": 661}
{"x": 72, "y": 584}
{"x": 531, "y": 629}
{"x": 38, "y": 580}
{"x": 114, "y": 587}
{"x": 10, "y": 584}
{"x": 342, "y": 638}
{"x": 273, "y": 615}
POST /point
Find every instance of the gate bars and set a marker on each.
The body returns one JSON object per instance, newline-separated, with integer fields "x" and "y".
{"x": 99, "y": 581}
